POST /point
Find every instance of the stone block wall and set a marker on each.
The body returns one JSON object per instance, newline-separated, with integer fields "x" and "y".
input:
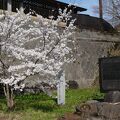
{"x": 89, "y": 47}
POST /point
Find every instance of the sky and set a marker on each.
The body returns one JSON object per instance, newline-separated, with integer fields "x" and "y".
{"x": 85, "y": 4}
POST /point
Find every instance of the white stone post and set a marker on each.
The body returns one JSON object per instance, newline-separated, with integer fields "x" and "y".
{"x": 9, "y": 5}
{"x": 21, "y": 7}
{"x": 61, "y": 88}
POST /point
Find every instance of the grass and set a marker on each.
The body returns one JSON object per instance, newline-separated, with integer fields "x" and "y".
{"x": 42, "y": 107}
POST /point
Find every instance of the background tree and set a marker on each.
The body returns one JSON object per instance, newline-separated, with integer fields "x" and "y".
{"x": 111, "y": 10}
{"x": 31, "y": 46}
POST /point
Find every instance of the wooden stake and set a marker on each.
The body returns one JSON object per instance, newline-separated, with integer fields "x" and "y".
{"x": 9, "y": 6}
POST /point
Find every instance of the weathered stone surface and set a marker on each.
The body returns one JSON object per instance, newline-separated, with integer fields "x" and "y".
{"x": 112, "y": 96}
{"x": 94, "y": 110}
{"x": 109, "y": 111}
{"x": 99, "y": 111}
{"x": 84, "y": 69}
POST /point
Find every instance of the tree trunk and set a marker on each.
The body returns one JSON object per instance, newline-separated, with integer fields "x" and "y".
{"x": 9, "y": 97}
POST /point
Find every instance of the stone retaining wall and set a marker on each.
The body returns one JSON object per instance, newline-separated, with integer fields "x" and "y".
{"x": 89, "y": 47}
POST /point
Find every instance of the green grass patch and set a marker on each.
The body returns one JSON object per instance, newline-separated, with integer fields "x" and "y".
{"x": 43, "y": 107}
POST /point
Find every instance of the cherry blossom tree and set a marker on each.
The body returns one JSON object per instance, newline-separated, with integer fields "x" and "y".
{"x": 32, "y": 46}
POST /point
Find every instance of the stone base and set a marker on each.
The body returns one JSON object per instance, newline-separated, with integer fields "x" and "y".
{"x": 112, "y": 96}
{"x": 94, "y": 110}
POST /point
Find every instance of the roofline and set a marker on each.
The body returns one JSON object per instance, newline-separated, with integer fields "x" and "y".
{"x": 66, "y": 4}
{"x": 63, "y": 5}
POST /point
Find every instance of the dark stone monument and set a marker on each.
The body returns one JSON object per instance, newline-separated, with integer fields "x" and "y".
{"x": 109, "y": 78}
